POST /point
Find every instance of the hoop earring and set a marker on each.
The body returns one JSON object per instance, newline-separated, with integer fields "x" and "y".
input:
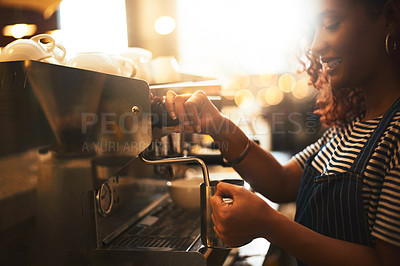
{"x": 390, "y": 49}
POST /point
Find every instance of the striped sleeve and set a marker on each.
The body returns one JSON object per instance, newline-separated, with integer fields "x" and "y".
{"x": 387, "y": 223}
{"x": 312, "y": 149}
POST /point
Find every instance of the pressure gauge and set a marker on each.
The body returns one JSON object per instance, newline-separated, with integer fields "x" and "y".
{"x": 104, "y": 199}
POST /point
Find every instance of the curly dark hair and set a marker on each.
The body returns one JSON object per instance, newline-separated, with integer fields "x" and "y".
{"x": 339, "y": 106}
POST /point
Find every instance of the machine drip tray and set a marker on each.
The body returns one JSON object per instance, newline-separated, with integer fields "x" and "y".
{"x": 166, "y": 227}
{"x": 167, "y": 235}
{"x": 144, "y": 227}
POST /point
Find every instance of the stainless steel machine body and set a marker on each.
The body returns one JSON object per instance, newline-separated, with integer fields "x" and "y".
{"x": 96, "y": 203}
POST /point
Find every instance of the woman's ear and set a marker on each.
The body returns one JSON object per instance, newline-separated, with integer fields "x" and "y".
{"x": 391, "y": 15}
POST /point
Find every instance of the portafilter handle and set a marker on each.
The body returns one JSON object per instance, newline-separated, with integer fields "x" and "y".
{"x": 160, "y": 117}
{"x": 177, "y": 160}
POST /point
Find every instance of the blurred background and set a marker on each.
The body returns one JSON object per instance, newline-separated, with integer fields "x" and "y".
{"x": 244, "y": 53}
{"x": 252, "y": 48}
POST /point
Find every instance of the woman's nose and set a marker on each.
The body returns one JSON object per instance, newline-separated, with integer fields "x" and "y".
{"x": 318, "y": 45}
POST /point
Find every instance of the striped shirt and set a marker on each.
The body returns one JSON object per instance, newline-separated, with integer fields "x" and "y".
{"x": 337, "y": 149}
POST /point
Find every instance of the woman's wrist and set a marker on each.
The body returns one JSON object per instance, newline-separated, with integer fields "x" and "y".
{"x": 240, "y": 157}
{"x": 231, "y": 141}
{"x": 272, "y": 219}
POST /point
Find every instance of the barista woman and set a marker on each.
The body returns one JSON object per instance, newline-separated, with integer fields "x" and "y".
{"x": 347, "y": 184}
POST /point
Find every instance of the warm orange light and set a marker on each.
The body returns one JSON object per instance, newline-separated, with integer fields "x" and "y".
{"x": 273, "y": 95}
{"x": 19, "y": 30}
{"x": 244, "y": 98}
{"x": 301, "y": 89}
{"x": 165, "y": 25}
{"x": 286, "y": 82}
{"x": 261, "y": 98}
{"x": 268, "y": 79}
{"x": 243, "y": 80}
{"x": 56, "y": 34}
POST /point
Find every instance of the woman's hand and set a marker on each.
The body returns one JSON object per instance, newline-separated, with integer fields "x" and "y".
{"x": 239, "y": 222}
{"x": 195, "y": 112}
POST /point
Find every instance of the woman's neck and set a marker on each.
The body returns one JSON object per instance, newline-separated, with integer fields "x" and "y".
{"x": 381, "y": 93}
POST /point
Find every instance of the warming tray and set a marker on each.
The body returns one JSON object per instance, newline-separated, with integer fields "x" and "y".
{"x": 108, "y": 113}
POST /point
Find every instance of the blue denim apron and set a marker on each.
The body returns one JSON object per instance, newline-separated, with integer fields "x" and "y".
{"x": 332, "y": 205}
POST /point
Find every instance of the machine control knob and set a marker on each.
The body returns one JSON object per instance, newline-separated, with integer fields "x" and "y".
{"x": 104, "y": 199}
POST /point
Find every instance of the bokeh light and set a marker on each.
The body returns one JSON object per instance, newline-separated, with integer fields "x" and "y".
{"x": 286, "y": 82}
{"x": 244, "y": 98}
{"x": 301, "y": 89}
{"x": 19, "y": 30}
{"x": 244, "y": 81}
{"x": 165, "y": 25}
{"x": 268, "y": 79}
{"x": 261, "y": 97}
{"x": 273, "y": 95}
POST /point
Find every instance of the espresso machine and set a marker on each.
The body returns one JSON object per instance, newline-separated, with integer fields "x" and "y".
{"x": 96, "y": 201}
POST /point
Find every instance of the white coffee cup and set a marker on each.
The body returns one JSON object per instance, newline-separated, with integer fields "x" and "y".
{"x": 95, "y": 61}
{"x": 29, "y": 49}
{"x": 59, "y": 54}
{"x": 142, "y": 59}
{"x": 126, "y": 66}
{"x": 165, "y": 69}
{"x": 103, "y": 62}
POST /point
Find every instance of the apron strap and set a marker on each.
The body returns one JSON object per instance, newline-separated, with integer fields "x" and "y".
{"x": 361, "y": 162}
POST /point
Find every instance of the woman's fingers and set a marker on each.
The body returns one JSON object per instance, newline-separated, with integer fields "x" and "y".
{"x": 217, "y": 217}
{"x": 193, "y": 107}
{"x": 191, "y": 111}
{"x": 170, "y": 103}
{"x": 217, "y": 232}
{"x": 187, "y": 108}
{"x": 180, "y": 108}
{"x": 174, "y": 104}
{"x": 227, "y": 190}
{"x": 215, "y": 226}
